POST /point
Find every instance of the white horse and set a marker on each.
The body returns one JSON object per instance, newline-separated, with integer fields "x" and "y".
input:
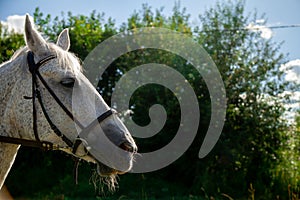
{"x": 36, "y": 88}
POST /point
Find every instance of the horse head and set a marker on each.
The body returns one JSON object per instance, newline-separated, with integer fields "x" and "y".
{"x": 84, "y": 125}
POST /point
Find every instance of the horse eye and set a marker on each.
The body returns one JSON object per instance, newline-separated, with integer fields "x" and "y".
{"x": 68, "y": 82}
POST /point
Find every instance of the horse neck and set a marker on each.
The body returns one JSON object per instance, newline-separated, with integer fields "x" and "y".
{"x": 8, "y": 154}
{"x": 10, "y": 72}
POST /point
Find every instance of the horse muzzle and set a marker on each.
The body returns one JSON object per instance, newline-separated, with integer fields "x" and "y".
{"x": 131, "y": 150}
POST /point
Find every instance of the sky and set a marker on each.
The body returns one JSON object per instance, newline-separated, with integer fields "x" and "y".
{"x": 277, "y": 12}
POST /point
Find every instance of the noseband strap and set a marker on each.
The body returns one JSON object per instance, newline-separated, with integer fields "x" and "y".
{"x": 34, "y": 69}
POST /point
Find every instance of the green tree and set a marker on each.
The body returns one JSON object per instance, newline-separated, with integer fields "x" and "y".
{"x": 249, "y": 64}
{"x": 9, "y": 43}
{"x": 287, "y": 173}
{"x": 86, "y": 32}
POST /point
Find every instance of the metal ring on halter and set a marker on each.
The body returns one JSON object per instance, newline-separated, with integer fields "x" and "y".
{"x": 86, "y": 147}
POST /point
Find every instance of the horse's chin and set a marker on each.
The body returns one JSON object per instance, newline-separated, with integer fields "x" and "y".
{"x": 105, "y": 171}
{"x": 124, "y": 166}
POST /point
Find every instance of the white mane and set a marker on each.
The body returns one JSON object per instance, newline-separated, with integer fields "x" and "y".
{"x": 67, "y": 60}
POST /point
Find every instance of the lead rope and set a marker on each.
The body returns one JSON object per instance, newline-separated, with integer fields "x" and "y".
{"x": 75, "y": 170}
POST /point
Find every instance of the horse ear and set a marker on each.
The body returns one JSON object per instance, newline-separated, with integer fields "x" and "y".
{"x": 63, "y": 40}
{"x": 34, "y": 40}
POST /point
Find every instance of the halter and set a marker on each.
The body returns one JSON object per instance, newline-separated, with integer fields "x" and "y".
{"x": 45, "y": 145}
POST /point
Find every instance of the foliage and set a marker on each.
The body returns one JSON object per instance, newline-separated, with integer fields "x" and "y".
{"x": 250, "y": 154}
{"x": 9, "y": 43}
{"x": 85, "y": 31}
{"x": 254, "y": 128}
{"x": 287, "y": 173}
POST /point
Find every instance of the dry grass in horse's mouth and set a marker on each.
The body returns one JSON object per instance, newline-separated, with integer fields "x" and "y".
{"x": 100, "y": 182}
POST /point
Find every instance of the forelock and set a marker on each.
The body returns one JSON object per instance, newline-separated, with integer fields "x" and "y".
{"x": 66, "y": 60}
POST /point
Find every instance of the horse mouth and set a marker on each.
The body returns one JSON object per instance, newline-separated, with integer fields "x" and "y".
{"x": 104, "y": 170}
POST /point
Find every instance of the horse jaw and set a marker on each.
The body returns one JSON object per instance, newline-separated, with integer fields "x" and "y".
{"x": 109, "y": 141}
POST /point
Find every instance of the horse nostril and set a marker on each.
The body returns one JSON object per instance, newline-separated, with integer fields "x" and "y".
{"x": 128, "y": 147}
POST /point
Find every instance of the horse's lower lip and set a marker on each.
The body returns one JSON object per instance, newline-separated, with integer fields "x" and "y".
{"x": 112, "y": 173}
{"x": 120, "y": 172}
{"x": 104, "y": 170}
